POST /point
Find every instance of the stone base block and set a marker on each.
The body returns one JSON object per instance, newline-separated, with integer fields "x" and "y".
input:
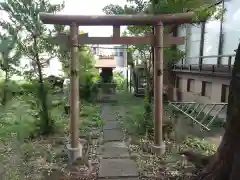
{"x": 74, "y": 153}
{"x": 159, "y": 150}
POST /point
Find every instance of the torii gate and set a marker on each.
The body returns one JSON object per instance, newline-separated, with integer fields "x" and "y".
{"x": 158, "y": 40}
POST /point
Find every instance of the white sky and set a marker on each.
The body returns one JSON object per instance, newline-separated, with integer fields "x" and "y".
{"x": 85, "y": 7}
{"x": 91, "y": 7}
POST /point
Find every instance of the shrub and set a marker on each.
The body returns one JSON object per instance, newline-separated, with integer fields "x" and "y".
{"x": 88, "y": 86}
{"x": 119, "y": 79}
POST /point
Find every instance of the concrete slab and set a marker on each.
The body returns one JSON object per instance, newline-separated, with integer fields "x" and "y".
{"x": 114, "y": 150}
{"x": 108, "y": 101}
{"x": 107, "y": 113}
{"x": 108, "y": 117}
{"x": 110, "y": 168}
{"x": 111, "y": 125}
{"x": 113, "y": 135}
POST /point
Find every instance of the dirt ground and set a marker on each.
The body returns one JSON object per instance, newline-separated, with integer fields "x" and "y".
{"x": 185, "y": 126}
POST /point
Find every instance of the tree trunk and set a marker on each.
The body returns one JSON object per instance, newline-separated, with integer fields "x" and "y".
{"x": 225, "y": 165}
{"x": 5, "y": 90}
{"x": 46, "y": 125}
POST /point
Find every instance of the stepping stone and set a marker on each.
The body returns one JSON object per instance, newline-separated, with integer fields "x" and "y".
{"x": 108, "y": 114}
{"x": 114, "y": 150}
{"x": 112, "y": 135}
{"x": 108, "y": 117}
{"x": 111, "y": 125}
{"x": 109, "y": 101}
{"x": 106, "y": 108}
{"x": 118, "y": 168}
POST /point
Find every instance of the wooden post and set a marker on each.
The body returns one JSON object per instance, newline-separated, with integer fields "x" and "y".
{"x": 74, "y": 107}
{"x": 158, "y": 87}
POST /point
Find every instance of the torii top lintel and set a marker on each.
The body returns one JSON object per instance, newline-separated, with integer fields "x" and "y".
{"x": 116, "y": 20}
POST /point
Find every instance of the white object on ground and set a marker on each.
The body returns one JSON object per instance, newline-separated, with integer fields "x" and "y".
{"x": 66, "y": 91}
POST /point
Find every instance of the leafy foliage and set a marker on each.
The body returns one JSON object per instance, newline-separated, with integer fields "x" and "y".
{"x": 23, "y": 154}
{"x": 202, "y": 9}
{"x": 32, "y": 41}
{"x": 9, "y": 61}
{"x": 87, "y": 71}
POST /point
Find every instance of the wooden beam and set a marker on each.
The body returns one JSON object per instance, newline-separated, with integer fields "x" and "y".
{"x": 84, "y": 39}
{"x": 116, "y": 31}
{"x": 118, "y": 20}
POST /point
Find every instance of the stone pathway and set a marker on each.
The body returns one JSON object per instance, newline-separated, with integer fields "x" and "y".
{"x": 115, "y": 160}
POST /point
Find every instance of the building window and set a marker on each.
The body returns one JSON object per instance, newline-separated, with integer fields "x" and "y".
{"x": 121, "y": 54}
{"x": 190, "y": 85}
{"x": 224, "y": 94}
{"x": 94, "y": 50}
{"x": 206, "y": 89}
{"x": 177, "y": 82}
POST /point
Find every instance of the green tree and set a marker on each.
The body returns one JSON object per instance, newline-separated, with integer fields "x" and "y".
{"x": 10, "y": 60}
{"x": 87, "y": 71}
{"x": 202, "y": 9}
{"x": 33, "y": 42}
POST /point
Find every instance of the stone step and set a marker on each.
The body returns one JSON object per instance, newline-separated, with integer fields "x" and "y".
{"x": 111, "y": 125}
{"x": 117, "y": 168}
{"x": 108, "y": 116}
{"x": 107, "y": 101}
{"x": 113, "y": 135}
{"x": 114, "y": 150}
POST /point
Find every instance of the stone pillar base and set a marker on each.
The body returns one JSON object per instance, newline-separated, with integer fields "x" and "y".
{"x": 159, "y": 150}
{"x": 74, "y": 153}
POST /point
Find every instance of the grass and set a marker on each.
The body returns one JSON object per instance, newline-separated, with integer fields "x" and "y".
{"x": 172, "y": 165}
{"x": 25, "y": 155}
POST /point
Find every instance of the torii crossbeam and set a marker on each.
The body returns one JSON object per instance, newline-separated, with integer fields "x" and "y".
{"x": 158, "y": 40}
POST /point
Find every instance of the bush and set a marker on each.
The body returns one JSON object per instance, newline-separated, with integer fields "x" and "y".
{"x": 119, "y": 79}
{"x": 33, "y": 87}
{"x": 15, "y": 88}
{"x": 88, "y": 86}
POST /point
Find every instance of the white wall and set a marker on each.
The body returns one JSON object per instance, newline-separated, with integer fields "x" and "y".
{"x": 193, "y": 43}
{"x": 120, "y": 55}
{"x": 182, "y": 33}
{"x": 211, "y": 41}
{"x": 231, "y": 28}
{"x": 231, "y": 36}
{"x": 54, "y": 68}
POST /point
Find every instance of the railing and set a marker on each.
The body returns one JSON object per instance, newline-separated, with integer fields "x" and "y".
{"x": 210, "y": 68}
{"x": 202, "y": 114}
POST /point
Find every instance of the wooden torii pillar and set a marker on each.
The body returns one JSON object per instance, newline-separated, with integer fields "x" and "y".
{"x": 158, "y": 40}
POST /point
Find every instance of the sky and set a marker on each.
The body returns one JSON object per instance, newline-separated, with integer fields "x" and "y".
{"x": 91, "y": 7}
{"x": 84, "y": 7}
